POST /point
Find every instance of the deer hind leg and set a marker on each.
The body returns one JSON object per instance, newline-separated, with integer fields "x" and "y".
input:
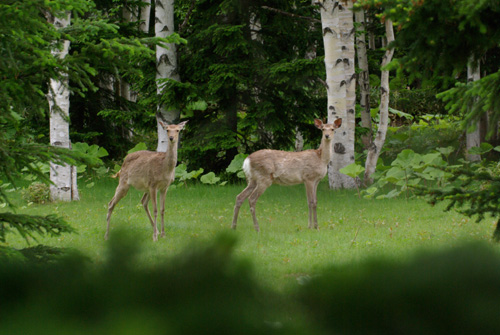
{"x": 252, "y": 200}
{"x": 311, "y": 189}
{"x": 120, "y": 192}
{"x": 145, "y": 199}
{"x": 240, "y": 198}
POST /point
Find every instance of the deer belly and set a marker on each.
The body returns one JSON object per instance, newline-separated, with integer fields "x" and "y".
{"x": 292, "y": 178}
{"x": 141, "y": 184}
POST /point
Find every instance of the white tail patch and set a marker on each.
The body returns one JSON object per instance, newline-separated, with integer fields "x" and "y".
{"x": 246, "y": 168}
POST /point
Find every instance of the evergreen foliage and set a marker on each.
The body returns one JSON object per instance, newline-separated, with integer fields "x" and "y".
{"x": 471, "y": 190}
{"x": 246, "y": 80}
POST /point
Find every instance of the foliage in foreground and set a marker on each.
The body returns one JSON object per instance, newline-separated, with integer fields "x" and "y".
{"x": 208, "y": 290}
{"x": 451, "y": 292}
{"x": 205, "y": 290}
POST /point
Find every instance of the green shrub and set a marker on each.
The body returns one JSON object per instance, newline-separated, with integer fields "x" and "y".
{"x": 38, "y": 193}
{"x": 454, "y": 291}
{"x": 203, "y": 291}
{"x": 423, "y": 138}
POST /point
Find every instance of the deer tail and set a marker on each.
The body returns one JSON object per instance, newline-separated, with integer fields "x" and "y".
{"x": 246, "y": 168}
{"x": 116, "y": 175}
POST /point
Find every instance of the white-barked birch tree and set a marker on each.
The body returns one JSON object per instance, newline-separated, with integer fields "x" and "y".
{"x": 338, "y": 38}
{"x": 166, "y": 65}
{"x": 375, "y": 147}
{"x": 63, "y": 177}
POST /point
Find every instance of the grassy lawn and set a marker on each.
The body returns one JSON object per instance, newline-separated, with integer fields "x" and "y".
{"x": 351, "y": 229}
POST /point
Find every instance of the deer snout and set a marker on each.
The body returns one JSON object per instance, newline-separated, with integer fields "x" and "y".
{"x": 327, "y": 136}
{"x": 171, "y": 138}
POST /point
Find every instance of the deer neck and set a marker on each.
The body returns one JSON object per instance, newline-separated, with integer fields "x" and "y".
{"x": 325, "y": 150}
{"x": 170, "y": 156}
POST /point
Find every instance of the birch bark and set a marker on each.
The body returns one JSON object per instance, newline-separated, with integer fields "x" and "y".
{"x": 129, "y": 15}
{"x": 63, "y": 177}
{"x": 338, "y": 38}
{"x": 145, "y": 15}
{"x": 473, "y": 139}
{"x": 363, "y": 77}
{"x": 376, "y": 146}
{"x": 166, "y": 66}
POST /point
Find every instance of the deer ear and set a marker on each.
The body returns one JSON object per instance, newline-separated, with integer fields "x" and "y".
{"x": 318, "y": 123}
{"x": 164, "y": 125}
{"x": 337, "y": 123}
{"x": 182, "y": 124}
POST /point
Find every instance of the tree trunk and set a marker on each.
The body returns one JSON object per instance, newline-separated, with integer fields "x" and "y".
{"x": 145, "y": 15}
{"x": 338, "y": 39}
{"x": 376, "y": 146}
{"x": 64, "y": 185}
{"x": 363, "y": 78}
{"x": 124, "y": 87}
{"x": 473, "y": 139}
{"x": 166, "y": 65}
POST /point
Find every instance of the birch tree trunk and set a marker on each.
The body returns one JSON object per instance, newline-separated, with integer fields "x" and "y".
{"x": 129, "y": 15}
{"x": 338, "y": 38}
{"x": 64, "y": 187}
{"x": 473, "y": 139}
{"x": 166, "y": 65}
{"x": 145, "y": 15}
{"x": 376, "y": 146}
{"x": 363, "y": 77}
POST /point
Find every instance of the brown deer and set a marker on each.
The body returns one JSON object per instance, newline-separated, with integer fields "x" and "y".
{"x": 266, "y": 167}
{"x": 150, "y": 172}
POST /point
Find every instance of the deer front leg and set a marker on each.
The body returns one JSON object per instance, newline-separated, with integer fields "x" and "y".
{"x": 145, "y": 200}
{"x": 311, "y": 188}
{"x": 240, "y": 198}
{"x": 163, "y": 196}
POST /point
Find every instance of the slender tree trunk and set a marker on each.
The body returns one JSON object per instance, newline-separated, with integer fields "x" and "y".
{"x": 124, "y": 87}
{"x": 473, "y": 138}
{"x": 338, "y": 39}
{"x": 363, "y": 78}
{"x": 166, "y": 65}
{"x": 376, "y": 146}
{"x": 145, "y": 15}
{"x": 64, "y": 185}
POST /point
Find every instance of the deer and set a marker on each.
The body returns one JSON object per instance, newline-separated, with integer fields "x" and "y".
{"x": 150, "y": 172}
{"x": 266, "y": 167}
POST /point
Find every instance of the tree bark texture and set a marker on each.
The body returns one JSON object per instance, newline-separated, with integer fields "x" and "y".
{"x": 375, "y": 147}
{"x": 64, "y": 187}
{"x": 363, "y": 77}
{"x": 166, "y": 65}
{"x": 473, "y": 139}
{"x": 338, "y": 38}
{"x": 145, "y": 15}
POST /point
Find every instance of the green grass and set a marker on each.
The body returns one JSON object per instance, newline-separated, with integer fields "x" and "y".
{"x": 351, "y": 229}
